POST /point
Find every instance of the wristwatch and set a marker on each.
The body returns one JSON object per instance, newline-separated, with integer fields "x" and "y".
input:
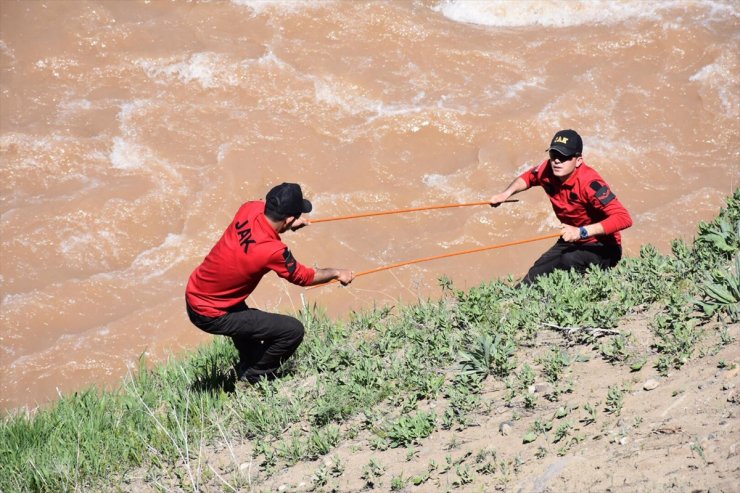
{"x": 584, "y": 233}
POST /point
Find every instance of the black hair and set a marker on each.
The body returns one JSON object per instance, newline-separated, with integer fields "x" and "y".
{"x": 276, "y": 216}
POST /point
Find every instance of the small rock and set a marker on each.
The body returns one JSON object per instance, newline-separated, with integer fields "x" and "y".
{"x": 733, "y": 398}
{"x": 624, "y": 440}
{"x": 543, "y": 388}
{"x": 244, "y": 467}
{"x": 728, "y": 386}
{"x": 712, "y": 436}
{"x": 282, "y": 487}
{"x": 733, "y": 450}
{"x": 505, "y": 427}
{"x": 651, "y": 384}
{"x": 532, "y": 389}
{"x": 701, "y": 386}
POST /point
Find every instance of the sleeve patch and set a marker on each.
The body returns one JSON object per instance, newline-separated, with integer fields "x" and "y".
{"x": 603, "y": 193}
{"x": 290, "y": 262}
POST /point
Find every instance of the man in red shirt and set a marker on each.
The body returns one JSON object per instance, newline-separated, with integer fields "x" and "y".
{"x": 591, "y": 216}
{"x": 250, "y": 248}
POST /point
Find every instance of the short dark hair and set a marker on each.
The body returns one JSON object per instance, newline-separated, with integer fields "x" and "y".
{"x": 274, "y": 215}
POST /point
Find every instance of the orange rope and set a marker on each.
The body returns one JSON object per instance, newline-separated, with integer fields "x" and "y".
{"x": 398, "y": 211}
{"x": 444, "y": 255}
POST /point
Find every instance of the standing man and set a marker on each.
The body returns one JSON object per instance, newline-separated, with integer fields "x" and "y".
{"x": 591, "y": 216}
{"x": 250, "y": 248}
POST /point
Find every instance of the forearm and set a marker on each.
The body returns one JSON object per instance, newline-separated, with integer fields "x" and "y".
{"x": 617, "y": 219}
{"x": 324, "y": 275}
{"x": 573, "y": 233}
{"x": 616, "y": 222}
{"x": 594, "y": 229}
{"x": 516, "y": 186}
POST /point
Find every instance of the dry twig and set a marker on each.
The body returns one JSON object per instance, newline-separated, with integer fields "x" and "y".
{"x": 571, "y": 331}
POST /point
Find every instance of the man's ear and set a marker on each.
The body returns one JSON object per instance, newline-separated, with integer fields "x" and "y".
{"x": 288, "y": 221}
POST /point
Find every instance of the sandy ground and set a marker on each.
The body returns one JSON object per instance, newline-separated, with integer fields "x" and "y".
{"x": 683, "y": 435}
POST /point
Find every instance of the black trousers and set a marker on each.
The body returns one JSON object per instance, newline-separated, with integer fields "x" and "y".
{"x": 264, "y": 340}
{"x": 566, "y": 256}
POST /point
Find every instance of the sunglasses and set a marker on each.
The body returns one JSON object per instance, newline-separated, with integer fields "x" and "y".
{"x": 556, "y": 156}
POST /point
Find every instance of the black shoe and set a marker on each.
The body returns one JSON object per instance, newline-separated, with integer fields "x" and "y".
{"x": 243, "y": 374}
{"x": 254, "y": 379}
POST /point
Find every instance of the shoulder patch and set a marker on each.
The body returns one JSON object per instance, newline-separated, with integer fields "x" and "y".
{"x": 603, "y": 194}
{"x": 290, "y": 262}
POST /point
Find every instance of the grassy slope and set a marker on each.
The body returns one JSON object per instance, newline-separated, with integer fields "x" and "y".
{"x": 397, "y": 383}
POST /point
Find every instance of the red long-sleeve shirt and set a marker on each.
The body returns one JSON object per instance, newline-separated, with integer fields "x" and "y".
{"x": 248, "y": 249}
{"x": 583, "y": 199}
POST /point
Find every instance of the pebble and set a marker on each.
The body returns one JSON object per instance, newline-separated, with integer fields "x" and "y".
{"x": 624, "y": 440}
{"x": 543, "y": 388}
{"x": 244, "y": 467}
{"x": 505, "y": 427}
{"x": 650, "y": 384}
{"x": 733, "y": 450}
